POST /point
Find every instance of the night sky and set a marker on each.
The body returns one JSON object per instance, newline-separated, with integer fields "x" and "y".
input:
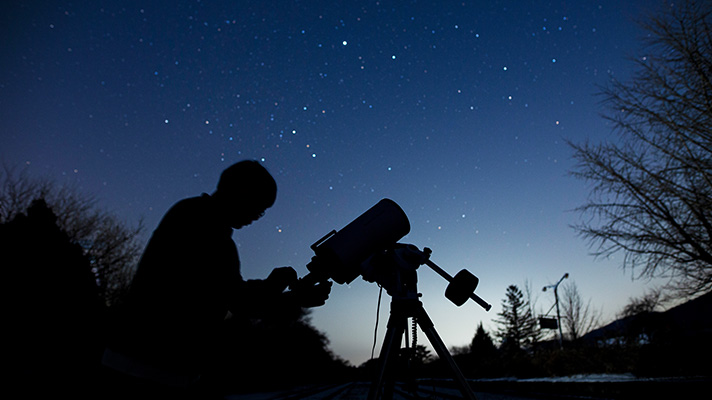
{"x": 458, "y": 111}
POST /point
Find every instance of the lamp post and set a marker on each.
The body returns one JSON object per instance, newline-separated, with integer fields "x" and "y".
{"x": 558, "y": 314}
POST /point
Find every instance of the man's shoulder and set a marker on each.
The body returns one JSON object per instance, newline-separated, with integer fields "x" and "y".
{"x": 192, "y": 208}
{"x": 192, "y": 202}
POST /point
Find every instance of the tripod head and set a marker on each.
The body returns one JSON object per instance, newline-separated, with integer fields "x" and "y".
{"x": 395, "y": 270}
{"x": 368, "y": 246}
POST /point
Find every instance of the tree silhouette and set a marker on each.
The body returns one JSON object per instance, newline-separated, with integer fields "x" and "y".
{"x": 52, "y": 312}
{"x": 275, "y": 352}
{"x": 482, "y": 360}
{"x": 482, "y": 344}
{"x": 517, "y": 325}
{"x": 652, "y": 188}
{"x": 647, "y": 302}
{"x": 577, "y": 316}
{"x": 112, "y": 246}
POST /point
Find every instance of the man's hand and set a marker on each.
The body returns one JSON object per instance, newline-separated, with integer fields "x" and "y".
{"x": 280, "y": 278}
{"x": 311, "y": 295}
{"x": 316, "y": 295}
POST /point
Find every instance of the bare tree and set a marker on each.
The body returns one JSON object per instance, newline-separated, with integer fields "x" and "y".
{"x": 113, "y": 247}
{"x": 650, "y": 301}
{"x": 537, "y": 335}
{"x": 652, "y": 190}
{"x": 578, "y": 316}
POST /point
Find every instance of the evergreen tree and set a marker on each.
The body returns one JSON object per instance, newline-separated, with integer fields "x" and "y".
{"x": 111, "y": 246}
{"x": 517, "y": 325}
{"x": 482, "y": 344}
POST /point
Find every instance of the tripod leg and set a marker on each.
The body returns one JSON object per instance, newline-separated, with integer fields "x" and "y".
{"x": 389, "y": 350}
{"x": 426, "y": 324}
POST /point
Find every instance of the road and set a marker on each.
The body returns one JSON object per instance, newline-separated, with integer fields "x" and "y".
{"x": 359, "y": 391}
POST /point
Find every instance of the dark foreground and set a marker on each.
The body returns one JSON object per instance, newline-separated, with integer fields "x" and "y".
{"x": 673, "y": 388}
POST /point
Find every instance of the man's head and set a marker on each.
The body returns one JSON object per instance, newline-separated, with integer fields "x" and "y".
{"x": 245, "y": 190}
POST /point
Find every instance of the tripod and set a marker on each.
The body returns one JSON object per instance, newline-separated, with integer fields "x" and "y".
{"x": 405, "y": 304}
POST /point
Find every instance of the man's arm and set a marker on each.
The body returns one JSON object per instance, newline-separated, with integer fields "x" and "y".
{"x": 260, "y": 298}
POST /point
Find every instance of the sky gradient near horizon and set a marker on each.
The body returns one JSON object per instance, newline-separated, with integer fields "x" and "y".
{"x": 458, "y": 111}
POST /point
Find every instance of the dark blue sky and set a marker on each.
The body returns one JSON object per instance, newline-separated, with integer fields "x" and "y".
{"x": 458, "y": 111}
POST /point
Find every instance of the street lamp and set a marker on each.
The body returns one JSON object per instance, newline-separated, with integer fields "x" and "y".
{"x": 558, "y": 314}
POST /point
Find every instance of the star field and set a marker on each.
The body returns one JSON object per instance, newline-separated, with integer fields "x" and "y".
{"x": 458, "y": 111}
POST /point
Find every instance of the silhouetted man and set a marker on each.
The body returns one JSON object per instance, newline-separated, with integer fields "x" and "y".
{"x": 186, "y": 282}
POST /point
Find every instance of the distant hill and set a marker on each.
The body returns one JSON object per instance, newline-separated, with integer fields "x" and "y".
{"x": 676, "y": 342}
{"x": 692, "y": 319}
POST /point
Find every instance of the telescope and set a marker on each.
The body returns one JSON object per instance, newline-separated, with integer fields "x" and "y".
{"x": 368, "y": 247}
{"x": 360, "y": 248}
